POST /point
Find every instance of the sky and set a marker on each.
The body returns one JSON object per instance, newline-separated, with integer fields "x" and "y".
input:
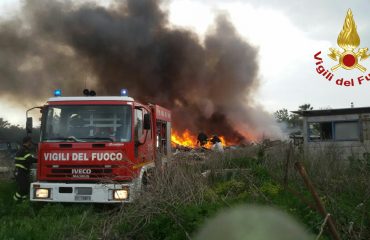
{"x": 287, "y": 34}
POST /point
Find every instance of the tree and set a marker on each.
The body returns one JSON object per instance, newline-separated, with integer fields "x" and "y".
{"x": 4, "y": 123}
{"x": 293, "y": 121}
{"x": 10, "y": 132}
{"x": 305, "y": 107}
{"x": 282, "y": 115}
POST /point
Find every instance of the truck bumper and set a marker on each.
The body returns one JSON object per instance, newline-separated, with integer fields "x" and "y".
{"x": 82, "y": 192}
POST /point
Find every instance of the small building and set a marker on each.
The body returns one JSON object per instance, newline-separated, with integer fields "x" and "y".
{"x": 346, "y": 128}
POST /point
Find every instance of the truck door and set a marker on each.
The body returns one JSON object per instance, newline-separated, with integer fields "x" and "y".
{"x": 143, "y": 138}
{"x": 162, "y": 138}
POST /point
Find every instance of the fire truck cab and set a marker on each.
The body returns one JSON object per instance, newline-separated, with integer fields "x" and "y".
{"x": 98, "y": 148}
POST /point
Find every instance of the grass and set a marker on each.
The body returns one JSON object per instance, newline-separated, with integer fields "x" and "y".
{"x": 44, "y": 221}
{"x": 179, "y": 202}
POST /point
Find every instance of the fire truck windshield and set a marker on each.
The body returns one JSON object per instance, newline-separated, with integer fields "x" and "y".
{"x": 87, "y": 123}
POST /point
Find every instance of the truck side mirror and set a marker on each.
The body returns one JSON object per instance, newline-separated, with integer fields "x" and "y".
{"x": 29, "y": 125}
{"x": 146, "y": 121}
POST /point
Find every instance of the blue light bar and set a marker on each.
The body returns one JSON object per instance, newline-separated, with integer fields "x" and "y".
{"x": 124, "y": 92}
{"x": 57, "y": 93}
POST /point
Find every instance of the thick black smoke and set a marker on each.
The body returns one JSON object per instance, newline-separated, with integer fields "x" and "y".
{"x": 60, "y": 44}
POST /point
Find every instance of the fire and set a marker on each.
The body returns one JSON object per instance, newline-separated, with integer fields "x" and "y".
{"x": 188, "y": 139}
{"x": 185, "y": 139}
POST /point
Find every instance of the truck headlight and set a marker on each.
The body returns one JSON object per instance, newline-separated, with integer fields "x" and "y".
{"x": 42, "y": 193}
{"x": 120, "y": 194}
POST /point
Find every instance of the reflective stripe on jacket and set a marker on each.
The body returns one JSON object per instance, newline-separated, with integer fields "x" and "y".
{"x": 24, "y": 159}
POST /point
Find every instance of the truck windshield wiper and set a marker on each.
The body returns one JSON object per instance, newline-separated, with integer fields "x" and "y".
{"x": 74, "y": 139}
{"x": 99, "y": 138}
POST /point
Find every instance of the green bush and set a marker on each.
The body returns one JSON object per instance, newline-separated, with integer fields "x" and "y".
{"x": 230, "y": 188}
{"x": 270, "y": 188}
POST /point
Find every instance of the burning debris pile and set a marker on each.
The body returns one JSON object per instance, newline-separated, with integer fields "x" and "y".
{"x": 187, "y": 141}
{"x": 63, "y": 44}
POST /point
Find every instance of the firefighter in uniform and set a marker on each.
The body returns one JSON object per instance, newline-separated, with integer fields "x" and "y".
{"x": 23, "y": 162}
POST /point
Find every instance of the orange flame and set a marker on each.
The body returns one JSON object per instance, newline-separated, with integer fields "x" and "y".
{"x": 187, "y": 139}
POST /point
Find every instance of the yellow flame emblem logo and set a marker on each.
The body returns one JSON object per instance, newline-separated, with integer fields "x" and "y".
{"x": 348, "y": 40}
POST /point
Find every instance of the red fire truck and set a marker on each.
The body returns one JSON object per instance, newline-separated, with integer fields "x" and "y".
{"x": 98, "y": 149}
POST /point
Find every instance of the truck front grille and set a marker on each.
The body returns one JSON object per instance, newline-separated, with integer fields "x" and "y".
{"x": 81, "y": 171}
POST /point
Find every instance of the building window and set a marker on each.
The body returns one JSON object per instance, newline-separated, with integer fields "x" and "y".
{"x": 333, "y": 131}
{"x": 346, "y": 131}
{"x": 320, "y": 131}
